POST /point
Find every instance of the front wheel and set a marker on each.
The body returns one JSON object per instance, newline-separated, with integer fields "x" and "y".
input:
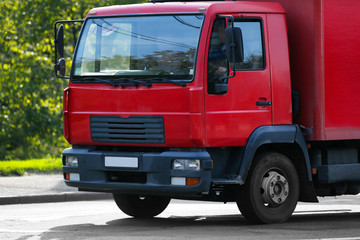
{"x": 271, "y": 191}
{"x": 141, "y": 207}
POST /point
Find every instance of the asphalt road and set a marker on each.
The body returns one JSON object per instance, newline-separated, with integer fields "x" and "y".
{"x": 333, "y": 218}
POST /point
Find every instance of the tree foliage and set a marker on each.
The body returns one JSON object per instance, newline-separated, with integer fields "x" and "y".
{"x": 30, "y": 94}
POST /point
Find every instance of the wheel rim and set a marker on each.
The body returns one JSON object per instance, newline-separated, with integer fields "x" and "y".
{"x": 274, "y": 189}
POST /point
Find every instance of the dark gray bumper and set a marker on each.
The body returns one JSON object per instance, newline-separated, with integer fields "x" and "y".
{"x": 152, "y": 175}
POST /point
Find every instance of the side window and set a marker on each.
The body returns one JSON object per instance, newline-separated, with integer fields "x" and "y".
{"x": 217, "y": 62}
{"x": 254, "y": 58}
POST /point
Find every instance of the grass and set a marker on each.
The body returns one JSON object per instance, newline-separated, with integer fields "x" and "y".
{"x": 20, "y": 167}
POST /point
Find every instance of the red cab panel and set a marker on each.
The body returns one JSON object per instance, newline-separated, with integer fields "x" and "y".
{"x": 181, "y": 122}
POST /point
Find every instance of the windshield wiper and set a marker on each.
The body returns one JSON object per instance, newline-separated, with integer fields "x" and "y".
{"x": 122, "y": 82}
{"x": 167, "y": 80}
{"x": 112, "y": 83}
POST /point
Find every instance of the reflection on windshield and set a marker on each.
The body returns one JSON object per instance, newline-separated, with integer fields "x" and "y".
{"x": 139, "y": 47}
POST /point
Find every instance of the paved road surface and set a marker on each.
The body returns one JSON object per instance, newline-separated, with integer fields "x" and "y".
{"x": 334, "y": 218}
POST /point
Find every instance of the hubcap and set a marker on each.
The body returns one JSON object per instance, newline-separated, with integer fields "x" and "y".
{"x": 274, "y": 188}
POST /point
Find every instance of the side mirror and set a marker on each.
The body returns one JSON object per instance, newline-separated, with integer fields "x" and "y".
{"x": 62, "y": 67}
{"x": 60, "y": 40}
{"x": 59, "y": 64}
{"x": 234, "y": 45}
{"x": 220, "y": 88}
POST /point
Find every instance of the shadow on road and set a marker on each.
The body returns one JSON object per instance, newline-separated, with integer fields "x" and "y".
{"x": 307, "y": 226}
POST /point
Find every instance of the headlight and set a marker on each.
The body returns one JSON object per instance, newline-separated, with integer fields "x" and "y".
{"x": 186, "y": 164}
{"x": 71, "y": 161}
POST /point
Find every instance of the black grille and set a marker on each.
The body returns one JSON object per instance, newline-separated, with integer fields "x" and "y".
{"x": 135, "y": 129}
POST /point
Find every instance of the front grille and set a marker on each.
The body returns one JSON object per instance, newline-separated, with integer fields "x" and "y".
{"x": 135, "y": 129}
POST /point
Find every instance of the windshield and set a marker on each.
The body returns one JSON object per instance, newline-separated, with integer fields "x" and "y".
{"x": 140, "y": 47}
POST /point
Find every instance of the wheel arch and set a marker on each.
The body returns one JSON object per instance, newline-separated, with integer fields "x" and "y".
{"x": 287, "y": 140}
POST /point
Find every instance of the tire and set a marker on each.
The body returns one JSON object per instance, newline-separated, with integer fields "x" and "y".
{"x": 141, "y": 207}
{"x": 271, "y": 191}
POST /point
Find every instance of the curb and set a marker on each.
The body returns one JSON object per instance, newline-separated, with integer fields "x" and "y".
{"x": 58, "y": 197}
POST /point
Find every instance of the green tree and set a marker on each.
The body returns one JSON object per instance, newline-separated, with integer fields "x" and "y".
{"x": 30, "y": 94}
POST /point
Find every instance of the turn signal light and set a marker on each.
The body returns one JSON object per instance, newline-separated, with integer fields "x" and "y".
{"x": 72, "y": 176}
{"x": 192, "y": 181}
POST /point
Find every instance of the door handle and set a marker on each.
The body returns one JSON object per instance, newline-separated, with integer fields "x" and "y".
{"x": 263, "y": 103}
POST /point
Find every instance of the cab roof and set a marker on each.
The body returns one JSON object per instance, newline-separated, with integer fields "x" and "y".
{"x": 207, "y": 7}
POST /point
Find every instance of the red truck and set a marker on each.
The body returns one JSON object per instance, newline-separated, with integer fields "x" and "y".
{"x": 231, "y": 101}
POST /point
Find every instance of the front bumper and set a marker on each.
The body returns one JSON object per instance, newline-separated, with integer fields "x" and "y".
{"x": 152, "y": 175}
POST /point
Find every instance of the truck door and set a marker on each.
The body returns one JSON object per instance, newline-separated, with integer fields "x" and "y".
{"x": 232, "y": 115}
